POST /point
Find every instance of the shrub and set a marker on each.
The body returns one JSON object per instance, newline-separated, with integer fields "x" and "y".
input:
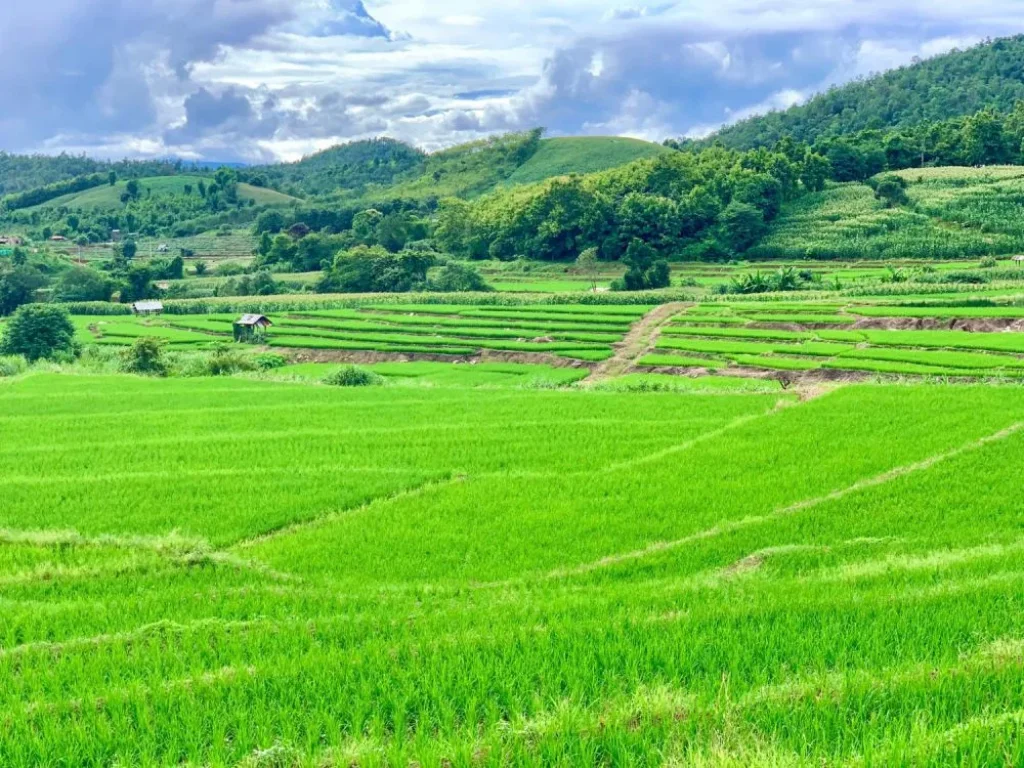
{"x": 225, "y": 361}
{"x": 459, "y": 278}
{"x": 352, "y": 376}
{"x": 12, "y": 365}
{"x": 268, "y": 361}
{"x": 40, "y": 331}
{"x": 145, "y": 357}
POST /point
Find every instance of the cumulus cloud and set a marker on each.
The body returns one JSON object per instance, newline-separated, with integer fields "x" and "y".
{"x": 258, "y": 79}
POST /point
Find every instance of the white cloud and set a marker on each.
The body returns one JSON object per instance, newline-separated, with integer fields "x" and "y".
{"x": 261, "y": 78}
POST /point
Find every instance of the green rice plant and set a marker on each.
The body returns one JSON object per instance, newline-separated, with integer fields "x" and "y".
{"x": 777, "y": 362}
{"x": 681, "y": 361}
{"x": 456, "y": 575}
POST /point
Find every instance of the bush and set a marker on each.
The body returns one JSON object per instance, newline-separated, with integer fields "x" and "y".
{"x": 40, "y": 331}
{"x": 268, "y": 361}
{"x": 225, "y": 361}
{"x": 458, "y": 278}
{"x": 12, "y": 365}
{"x": 145, "y": 357}
{"x": 352, "y": 376}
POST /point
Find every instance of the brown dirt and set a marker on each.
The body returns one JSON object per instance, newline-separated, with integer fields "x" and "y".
{"x": 967, "y": 324}
{"x": 635, "y": 344}
{"x": 746, "y": 565}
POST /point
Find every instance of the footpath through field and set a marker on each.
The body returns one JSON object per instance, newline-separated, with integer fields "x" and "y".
{"x": 638, "y": 342}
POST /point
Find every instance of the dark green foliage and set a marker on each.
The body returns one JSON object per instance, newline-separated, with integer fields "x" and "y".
{"x": 39, "y": 331}
{"x": 353, "y": 376}
{"x": 18, "y": 286}
{"x": 785, "y": 279}
{"x": 372, "y": 269}
{"x": 83, "y": 284}
{"x": 351, "y": 166}
{"x": 891, "y": 190}
{"x": 261, "y": 283}
{"x": 740, "y": 226}
{"x": 645, "y": 269}
{"x": 458, "y": 278}
{"x": 138, "y": 284}
{"x": 953, "y": 85}
{"x": 51, "y": 191}
{"x": 145, "y": 357}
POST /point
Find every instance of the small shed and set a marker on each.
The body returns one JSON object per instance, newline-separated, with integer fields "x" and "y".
{"x": 58, "y": 239}
{"x": 1018, "y": 259}
{"x": 147, "y": 307}
{"x": 251, "y": 329}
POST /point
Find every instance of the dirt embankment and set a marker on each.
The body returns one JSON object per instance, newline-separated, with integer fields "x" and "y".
{"x": 637, "y": 342}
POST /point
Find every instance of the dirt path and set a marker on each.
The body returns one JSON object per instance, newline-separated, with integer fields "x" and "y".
{"x": 638, "y": 342}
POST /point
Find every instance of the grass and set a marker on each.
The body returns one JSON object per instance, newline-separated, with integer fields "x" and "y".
{"x": 283, "y": 574}
{"x": 109, "y": 197}
{"x": 581, "y": 154}
{"x": 448, "y": 374}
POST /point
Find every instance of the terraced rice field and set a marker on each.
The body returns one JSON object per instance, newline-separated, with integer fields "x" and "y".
{"x": 226, "y": 572}
{"x": 568, "y": 331}
{"x": 836, "y": 337}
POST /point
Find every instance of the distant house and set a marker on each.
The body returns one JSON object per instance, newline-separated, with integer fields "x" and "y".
{"x": 11, "y": 241}
{"x": 162, "y": 248}
{"x": 251, "y": 329}
{"x": 1018, "y": 259}
{"x": 115, "y": 235}
{"x": 58, "y": 239}
{"x": 147, "y": 307}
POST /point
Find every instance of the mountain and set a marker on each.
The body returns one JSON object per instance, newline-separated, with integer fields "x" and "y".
{"x": 952, "y": 85}
{"x": 347, "y": 167}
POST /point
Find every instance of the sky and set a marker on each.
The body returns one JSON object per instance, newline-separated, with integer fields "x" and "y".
{"x": 266, "y": 80}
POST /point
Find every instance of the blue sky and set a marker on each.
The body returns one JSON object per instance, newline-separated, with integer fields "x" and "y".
{"x": 260, "y": 80}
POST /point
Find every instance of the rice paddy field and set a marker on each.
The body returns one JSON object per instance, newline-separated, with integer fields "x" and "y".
{"x": 939, "y": 341}
{"x": 241, "y": 572}
{"x": 571, "y": 332}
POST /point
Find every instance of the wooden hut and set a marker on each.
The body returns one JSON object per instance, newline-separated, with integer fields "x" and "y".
{"x": 147, "y": 307}
{"x": 251, "y": 329}
{"x": 1018, "y": 259}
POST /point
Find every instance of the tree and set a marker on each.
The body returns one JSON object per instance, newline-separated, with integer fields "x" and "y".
{"x": 588, "y": 265}
{"x": 459, "y": 278}
{"x": 200, "y": 268}
{"x": 128, "y": 249}
{"x": 132, "y": 190}
{"x": 112, "y": 178}
{"x": 645, "y": 269}
{"x": 269, "y": 221}
{"x": 18, "y": 286}
{"x": 39, "y": 331}
{"x": 984, "y": 140}
{"x": 364, "y": 226}
{"x": 145, "y": 356}
{"x": 740, "y": 226}
{"x": 891, "y": 190}
{"x": 83, "y": 284}
{"x": 138, "y": 284}
{"x": 815, "y": 171}
{"x": 372, "y": 269}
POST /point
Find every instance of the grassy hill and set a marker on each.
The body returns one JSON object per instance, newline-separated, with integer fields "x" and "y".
{"x": 952, "y": 85}
{"x": 952, "y": 213}
{"x": 109, "y": 197}
{"x": 584, "y": 154}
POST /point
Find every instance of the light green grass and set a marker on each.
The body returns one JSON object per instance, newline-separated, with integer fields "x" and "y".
{"x": 285, "y": 574}
{"x": 581, "y": 154}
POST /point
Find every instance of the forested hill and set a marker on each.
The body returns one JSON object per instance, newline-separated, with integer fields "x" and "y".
{"x": 952, "y": 85}
{"x": 19, "y": 173}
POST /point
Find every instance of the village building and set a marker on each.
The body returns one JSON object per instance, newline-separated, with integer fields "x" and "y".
{"x": 251, "y": 329}
{"x": 147, "y": 307}
{"x": 10, "y": 241}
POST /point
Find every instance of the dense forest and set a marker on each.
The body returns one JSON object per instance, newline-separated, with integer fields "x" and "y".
{"x": 990, "y": 75}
